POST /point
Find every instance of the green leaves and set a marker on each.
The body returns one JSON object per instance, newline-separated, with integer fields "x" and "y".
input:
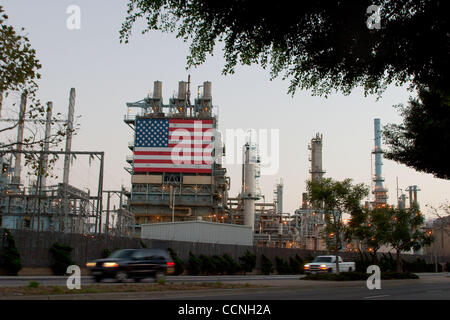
{"x": 423, "y": 138}
{"x": 320, "y": 45}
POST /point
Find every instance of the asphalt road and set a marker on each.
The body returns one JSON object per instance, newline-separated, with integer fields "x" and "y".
{"x": 391, "y": 291}
{"x": 429, "y": 287}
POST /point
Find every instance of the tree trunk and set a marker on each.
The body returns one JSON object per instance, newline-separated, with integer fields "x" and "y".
{"x": 399, "y": 261}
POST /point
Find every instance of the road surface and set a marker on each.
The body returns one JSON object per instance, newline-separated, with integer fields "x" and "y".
{"x": 429, "y": 287}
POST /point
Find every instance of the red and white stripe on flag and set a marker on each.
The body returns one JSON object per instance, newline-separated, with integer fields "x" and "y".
{"x": 173, "y": 145}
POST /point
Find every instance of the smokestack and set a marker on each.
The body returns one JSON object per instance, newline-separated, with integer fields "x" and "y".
{"x": 182, "y": 90}
{"x": 207, "y": 90}
{"x": 18, "y": 164}
{"x": 157, "y": 90}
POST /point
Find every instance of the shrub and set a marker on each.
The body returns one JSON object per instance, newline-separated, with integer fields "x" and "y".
{"x": 62, "y": 258}
{"x": 207, "y": 265}
{"x": 179, "y": 265}
{"x": 266, "y": 265}
{"x": 295, "y": 265}
{"x": 248, "y": 262}
{"x": 194, "y": 264}
{"x": 10, "y": 257}
{"x": 106, "y": 253}
{"x": 220, "y": 263}
{"x": 231, "y": 266}
{"x": 281, "y": 265}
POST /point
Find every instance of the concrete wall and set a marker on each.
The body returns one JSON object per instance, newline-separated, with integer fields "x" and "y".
{"x": 34, "y": 248}
{"x": 199, "y": 231}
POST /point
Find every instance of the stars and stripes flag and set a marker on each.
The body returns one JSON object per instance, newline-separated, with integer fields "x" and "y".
{"x": 173, "y": 145}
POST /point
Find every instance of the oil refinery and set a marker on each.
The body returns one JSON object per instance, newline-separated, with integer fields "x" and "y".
{"x": 179, "y": 187}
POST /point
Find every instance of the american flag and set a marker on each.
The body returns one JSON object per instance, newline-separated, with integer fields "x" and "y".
{"x": 173, "y": 145}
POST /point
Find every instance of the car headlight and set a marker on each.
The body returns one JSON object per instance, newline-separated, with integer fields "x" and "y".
{"x": 306, "y": 266}
{"x": 110, "y": 264}
{"x": 90, "y": 264}
{"x": 323, "y": 265}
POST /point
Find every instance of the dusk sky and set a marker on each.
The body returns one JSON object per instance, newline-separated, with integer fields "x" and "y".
{"x": 107, "y": 74}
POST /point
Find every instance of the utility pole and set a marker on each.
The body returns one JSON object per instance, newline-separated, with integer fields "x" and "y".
{"x": 66, "y": 172}
{"x": 17, "y": 164}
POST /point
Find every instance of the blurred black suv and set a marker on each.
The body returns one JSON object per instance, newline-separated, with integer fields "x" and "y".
{"x": 134, "y": 264}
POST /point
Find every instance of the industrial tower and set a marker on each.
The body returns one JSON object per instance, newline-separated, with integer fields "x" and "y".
{"x": 379, "y": 191}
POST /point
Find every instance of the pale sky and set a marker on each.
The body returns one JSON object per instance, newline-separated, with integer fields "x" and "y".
{"x": 107, "y": 74}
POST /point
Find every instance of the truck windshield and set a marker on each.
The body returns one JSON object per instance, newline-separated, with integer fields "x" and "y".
{"x": 322, "y": 259}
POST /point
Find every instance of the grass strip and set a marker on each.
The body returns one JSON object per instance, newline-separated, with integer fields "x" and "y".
{"x": 125, "y": 287}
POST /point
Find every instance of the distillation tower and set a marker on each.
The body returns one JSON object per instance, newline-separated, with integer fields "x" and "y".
{"x": 379, "y": 191}
{"x": 310, "y": 220}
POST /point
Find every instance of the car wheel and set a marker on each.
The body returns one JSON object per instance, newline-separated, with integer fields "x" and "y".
{"x": 350, "y": 269}
{"x": 121, "y": 276}
{"x": 98, "y": 278}
{"x": 137, "y": 279}
{"x": 330, "y": 270}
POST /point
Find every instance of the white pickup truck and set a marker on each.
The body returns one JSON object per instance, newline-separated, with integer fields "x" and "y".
{"x": 328, "y": 264}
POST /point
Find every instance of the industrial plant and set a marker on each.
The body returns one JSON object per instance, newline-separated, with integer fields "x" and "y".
{"x": 60, "y": 207}
{"x": 179, "y": 188}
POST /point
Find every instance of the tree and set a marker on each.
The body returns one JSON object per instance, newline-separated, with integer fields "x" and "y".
{"x": 320, "y": 45}
{"x": 423, "y": 138}
{"x": 10, "y": 257}
{"x": 266, "y": 265}
{"x": 248, "y": 261}
{"x": 334, "y": 198}
{"x": 371, "y": 227}
{"x": 62, "y": 258}
{"x": 405, "y": 232}
{"x": 19, "y": 72}
{"x": 323, "y": 46}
